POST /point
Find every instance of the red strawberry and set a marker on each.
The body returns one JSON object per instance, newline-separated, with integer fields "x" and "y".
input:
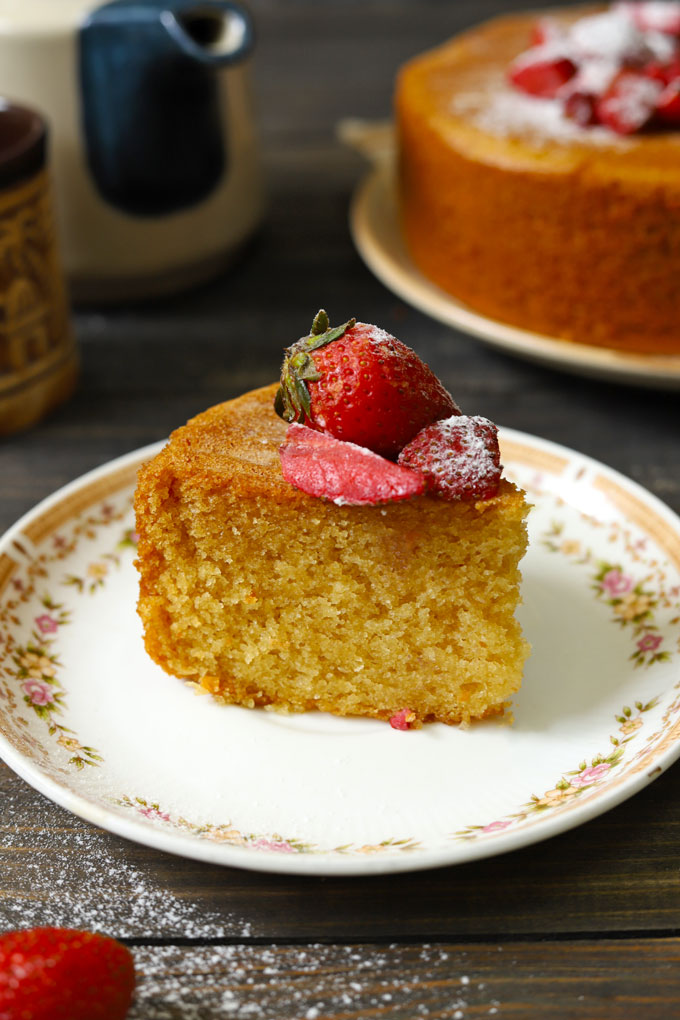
{"x": 358, "y": 383}
{"x": 459, "y": 457}
{"x": 542, "y": 76}
{"x": 668, "y": 104}
{"x": 580, "y": 107}
{"x": 403, "y": 720}
{"x": 629, "y": 102}
{"x": 662, "y": 72}
{"x": 343, "y": 472}
{"x": 61, "y": 974}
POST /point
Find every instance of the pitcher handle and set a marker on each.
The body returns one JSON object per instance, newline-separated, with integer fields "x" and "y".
{"x": 215, "y": 32}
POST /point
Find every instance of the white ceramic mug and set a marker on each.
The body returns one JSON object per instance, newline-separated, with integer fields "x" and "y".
{"x": 154, "y": 151}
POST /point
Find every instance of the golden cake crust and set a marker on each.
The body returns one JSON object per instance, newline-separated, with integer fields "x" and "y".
{"x": 232, "y": 444}
{"x": 264, "y": 595}
{"x": 566, "y": 231}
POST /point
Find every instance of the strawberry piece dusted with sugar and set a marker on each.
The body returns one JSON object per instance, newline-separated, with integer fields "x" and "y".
{"x": 653, "y": 15}
{"x": 361, "y": 385}
{"x": 459, "y": 457}
{"x": 343, "y": 472}
{"x": 581, "y": 108}
{"x": 629, "y": 103}
{"x": 618, "y": 67}
{"x": 61, "y": 974}
{"x": 541, "y": 76}
{"x": 665, "y": 73}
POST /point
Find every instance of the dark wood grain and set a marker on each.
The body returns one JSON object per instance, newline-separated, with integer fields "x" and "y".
{"x": 145, "y": 370}
{"x": 618, "y": 873}
{"x": 604, "y": 980}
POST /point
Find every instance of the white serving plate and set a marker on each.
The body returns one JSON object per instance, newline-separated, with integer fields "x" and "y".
{"x": 92, "y": 723}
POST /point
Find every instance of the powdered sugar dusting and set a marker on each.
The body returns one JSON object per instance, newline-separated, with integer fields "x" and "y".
{"x": 459, "y": 457}
{"x": 506, "y": 113}
{"x": 306, "y": 982}
{"x": 74, "y": 875}
{"x": 657, "y": 15}
{"x": 595, "y": 76}
{"x": 607, "y": 36}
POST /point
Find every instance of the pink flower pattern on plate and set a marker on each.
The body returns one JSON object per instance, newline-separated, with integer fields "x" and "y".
{"x": 153, "y": 812}
{"x": 616, "y": 583}
{"x": 282, "y": 846}
{"x": 649, "y": 642}
{"x": 496, "y": 826}
{"x": 591, "y": 774}
{"x": 38, "y": 691}
{"x": 46, "y": 624}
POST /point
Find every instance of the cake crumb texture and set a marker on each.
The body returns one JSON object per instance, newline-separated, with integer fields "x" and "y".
{"x": 268, "y": 597}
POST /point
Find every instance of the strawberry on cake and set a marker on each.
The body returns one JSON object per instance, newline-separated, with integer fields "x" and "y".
{"x": 538, "y": 177}
{"x": 342, "y": 541}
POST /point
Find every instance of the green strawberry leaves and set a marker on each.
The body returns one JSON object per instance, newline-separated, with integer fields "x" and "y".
{"x": 292, "y": 401}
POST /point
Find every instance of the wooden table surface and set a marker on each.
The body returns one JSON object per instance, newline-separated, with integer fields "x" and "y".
{"x": 585, "y": 925}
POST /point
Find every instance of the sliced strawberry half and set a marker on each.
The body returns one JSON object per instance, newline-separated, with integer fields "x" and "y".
{"x": 629, "y": 103}
{"x": 345, "y": 473}
{"x": 459, "y": 457}
{"x": 541, "y": 76}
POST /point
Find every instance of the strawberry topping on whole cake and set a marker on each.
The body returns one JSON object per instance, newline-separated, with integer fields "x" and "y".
{"x": 619, "y": 69}
{"x": 358, "y": 400}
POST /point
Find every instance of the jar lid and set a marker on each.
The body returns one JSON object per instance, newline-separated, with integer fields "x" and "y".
{"x": 23, "y": 141}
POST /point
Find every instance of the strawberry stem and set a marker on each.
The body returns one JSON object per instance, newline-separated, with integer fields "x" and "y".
{"x": 292, "y": 401}
{"x": 321, "y": 322}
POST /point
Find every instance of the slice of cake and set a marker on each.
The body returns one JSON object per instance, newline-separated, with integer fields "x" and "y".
{"x": 266, "y": 595}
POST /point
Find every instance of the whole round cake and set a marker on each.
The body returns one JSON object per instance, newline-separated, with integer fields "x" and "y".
{"x": 539, "y": 172}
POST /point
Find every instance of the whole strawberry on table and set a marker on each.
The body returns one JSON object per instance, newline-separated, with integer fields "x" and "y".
{"x": 63, "y": 974}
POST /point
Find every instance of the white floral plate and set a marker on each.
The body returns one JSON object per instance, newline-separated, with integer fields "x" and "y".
{"x": 374, "y": 223}
{"x": 92, "y": 723}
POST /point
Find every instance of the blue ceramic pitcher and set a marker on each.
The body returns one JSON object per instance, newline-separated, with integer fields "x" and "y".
{"x": 153, "y": 130}
{"x": 154, "y": 147}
